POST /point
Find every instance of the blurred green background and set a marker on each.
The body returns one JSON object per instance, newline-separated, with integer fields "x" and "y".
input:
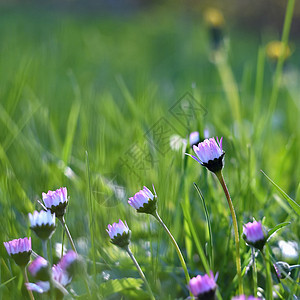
{"x": 90, "y": 95}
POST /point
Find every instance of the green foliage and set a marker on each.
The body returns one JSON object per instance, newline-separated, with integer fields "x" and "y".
{"x": 80, "y": 94}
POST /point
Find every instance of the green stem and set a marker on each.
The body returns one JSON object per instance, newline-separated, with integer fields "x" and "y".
{"x": 236, "y": 231}
{"x": 254, "y": 272}
{"x": 27, "y": 281}
{"x": 187, "y": 276}
{"x": 57, "y": 285}
{"x": 44, "y": 245}
{"x": 62, "y": 220}
{"x": 140, "y": 271}
{"x": 269, "y": 288}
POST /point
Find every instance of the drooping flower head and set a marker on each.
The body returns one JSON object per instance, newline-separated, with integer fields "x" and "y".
{"x": 243, "y": 297}
{"x": 203, "y": 287}
{"x": 19, "y": 250}
{"x": 42, "y": 223}
{"x": 119, "y": 233}
{"x": 39, "y": 269}
{"x": 144, "y": 201}
{"x": 209, "y": 154}
{"x": 254, "y": 234}
{"x": 39, "y": 287}
{"x": 58, "y": 275}
{"x": 71, "y": 262}
{"x": 56, "y": 201}
{"x": 194, "y": 138}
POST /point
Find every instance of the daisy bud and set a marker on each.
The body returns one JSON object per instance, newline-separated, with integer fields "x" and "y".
{"x": 243, "y": 297}
{"x": 203, "y": 287}
{"x": 56, "y": 201}
{"x": 39, "y": 269}
{"x": 42, "y": 223}
{"x": 119, "y": 234}
{"x": 71, "y": 262}
{"x": 19, "y": 250}
{"x": 209, "y": 154}
{"x": 144, "y": 201}
{"x": 282, "y": 269}
{"x": 194, "y": 138}
{"x": 254, "y": 234}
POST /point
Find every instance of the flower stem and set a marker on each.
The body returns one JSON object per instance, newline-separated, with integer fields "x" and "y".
{"x": 236, "y": 230}
{"x": 140, "y": 272}
{"x": 254, "y": 272}
{"x": 44, "y": 245}
{"x": 63, "y": 222}
{"x": 57, "y": 285}
{"x": 27, "y": 281}
{"x": 187, "y": 276}
{"x": 269, "y": 288}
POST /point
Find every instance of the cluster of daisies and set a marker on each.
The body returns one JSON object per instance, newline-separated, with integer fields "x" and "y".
{"x": 210, "y": 154}
{"x": 53, "y": 279}
{"x": 49, "y": 279}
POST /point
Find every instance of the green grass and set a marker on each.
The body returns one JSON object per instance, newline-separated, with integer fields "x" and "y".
{"x": 78, "y": 86}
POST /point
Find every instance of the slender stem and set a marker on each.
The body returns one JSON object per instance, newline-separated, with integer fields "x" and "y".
{"x": 27, "y": 281}
{"x": 57, "y": 285}
{"x": 62, "y": 243}
{"x": 140, "y": 272}
{"x": 187, "y": 276}
{"x": 44, "y": 245}
{"x": 236, "y": 231}
{"x": 62, "y": 220}
{"x": 254, "y": 272}
{"x": 269, "y": 288}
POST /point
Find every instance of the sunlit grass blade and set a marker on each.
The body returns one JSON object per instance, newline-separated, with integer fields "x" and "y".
{"x": 276, "y": 228}
{"x": 211, "y": 244}
{"x": 70, "y": 132}
{"x": 292, "y": 203}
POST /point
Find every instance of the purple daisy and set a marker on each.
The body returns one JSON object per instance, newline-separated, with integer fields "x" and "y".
{"x": 56, "y": 201}
{"x": 71, "y": 262}
{"x": 19, "y": 250}
{"x": 203, "y": 287}
{"x": 42, "y": 223}
{"x": 39, "y": 269}
{"x": 209, "y": 154}
{"x": 119, "y": 233}
{"x": 254, "y": 234}
{"x": 144, "y": 201}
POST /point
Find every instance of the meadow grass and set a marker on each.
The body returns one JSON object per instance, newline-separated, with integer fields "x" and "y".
{"x": 80, "y": 97}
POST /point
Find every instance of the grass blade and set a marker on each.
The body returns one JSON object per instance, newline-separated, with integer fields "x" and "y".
{"x": 293, "y": 203}
{"x": 211, "y": 244}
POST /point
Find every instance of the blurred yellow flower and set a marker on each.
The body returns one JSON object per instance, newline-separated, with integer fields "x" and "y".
{"x": 276, "y": 48}
{"x": 214, "y": 17}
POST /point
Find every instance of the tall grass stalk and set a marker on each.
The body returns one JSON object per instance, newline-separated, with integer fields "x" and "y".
{"x": 278, "y": 72}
